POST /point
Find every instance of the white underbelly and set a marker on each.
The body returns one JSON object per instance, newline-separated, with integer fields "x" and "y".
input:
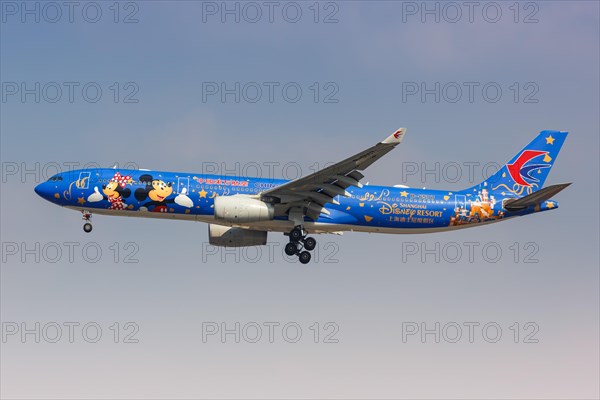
{"x": 280, "y": 225}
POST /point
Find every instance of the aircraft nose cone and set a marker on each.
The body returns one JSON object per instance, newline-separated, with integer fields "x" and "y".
{"x": 43, "y": 190}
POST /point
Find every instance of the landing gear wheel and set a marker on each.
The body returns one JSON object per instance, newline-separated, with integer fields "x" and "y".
{"x": 291, "y": 249}
{"x": 310, "y": 243}
{"x": 87, "y": 217}
{"x": 304, "y": 257}
{"x": 296, "y": 234}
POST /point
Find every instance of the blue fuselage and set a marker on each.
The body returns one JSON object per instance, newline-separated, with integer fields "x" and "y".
{"x": 191, "y": 196}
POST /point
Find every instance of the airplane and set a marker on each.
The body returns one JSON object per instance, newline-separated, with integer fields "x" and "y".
{"x": 240, "y": 211}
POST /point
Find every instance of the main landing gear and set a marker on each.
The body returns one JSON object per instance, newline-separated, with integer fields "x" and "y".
{"x": 87, "y": 217}
{"x": 300, "y": 245}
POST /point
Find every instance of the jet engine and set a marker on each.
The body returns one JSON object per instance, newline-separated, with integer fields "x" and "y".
{"x": 225, "y": 236}
{"x": 242, "y": 209}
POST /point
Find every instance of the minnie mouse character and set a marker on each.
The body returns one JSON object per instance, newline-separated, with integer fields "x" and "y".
{"x": 158, "y": 191}
{"x": 114, "y": 191}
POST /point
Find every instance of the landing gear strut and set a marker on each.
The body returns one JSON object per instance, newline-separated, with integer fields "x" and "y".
{"x": 300, "y": 245}
{"x": 87, "y": 217}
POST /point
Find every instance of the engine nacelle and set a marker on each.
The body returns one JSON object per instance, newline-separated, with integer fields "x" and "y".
{"x": 242, "y": 209}
{"x": 226, "y": 236}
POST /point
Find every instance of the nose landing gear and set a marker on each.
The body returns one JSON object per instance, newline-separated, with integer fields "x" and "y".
{"x": 87, "y": 217}
{"x": 300, "y": 245}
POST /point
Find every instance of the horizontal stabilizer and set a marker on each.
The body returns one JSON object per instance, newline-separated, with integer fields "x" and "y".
{"x": 534, "y": 198}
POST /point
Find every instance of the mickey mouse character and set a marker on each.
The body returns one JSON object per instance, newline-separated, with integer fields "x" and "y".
{"x": 158, "y": 191}
{"x": 114, "y": 191}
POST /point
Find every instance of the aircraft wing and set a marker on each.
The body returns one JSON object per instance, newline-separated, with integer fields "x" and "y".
{"x": 309, "y": 194}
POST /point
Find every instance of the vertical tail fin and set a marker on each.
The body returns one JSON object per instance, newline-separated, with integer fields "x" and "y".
{"x": 527, "y": 171}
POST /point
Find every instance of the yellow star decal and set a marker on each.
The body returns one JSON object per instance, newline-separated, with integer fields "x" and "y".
{"x": 547, "y": 158}
{"x": 361, "y": 204}
{"x": 550, "y": 204}
{"x": 368, "y": 219}
{"x": 550, "y": 140}
{"x": 347, "y": 208}
{"x": 203, "y": 193}
{"x": 404, "y": 193}
{"x": 80, "y": 200}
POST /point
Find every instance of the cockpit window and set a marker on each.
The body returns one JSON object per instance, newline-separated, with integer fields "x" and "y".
{"x": 55, "y": 178}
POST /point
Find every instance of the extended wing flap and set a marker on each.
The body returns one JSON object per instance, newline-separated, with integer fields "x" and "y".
{"x": 535, "y": 197}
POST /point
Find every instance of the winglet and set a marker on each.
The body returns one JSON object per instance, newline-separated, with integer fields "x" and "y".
{"x": 395, "y": 137}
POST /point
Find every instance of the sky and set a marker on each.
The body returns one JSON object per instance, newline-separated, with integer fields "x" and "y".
{"x": 147, "y": 308}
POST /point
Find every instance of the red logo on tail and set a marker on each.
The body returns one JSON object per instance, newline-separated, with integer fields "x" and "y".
{"x": 514, "y": 169}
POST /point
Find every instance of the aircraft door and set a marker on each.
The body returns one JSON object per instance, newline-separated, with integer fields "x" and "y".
{"x": 183, "y": 183}
{"x": 84, "y": 180}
